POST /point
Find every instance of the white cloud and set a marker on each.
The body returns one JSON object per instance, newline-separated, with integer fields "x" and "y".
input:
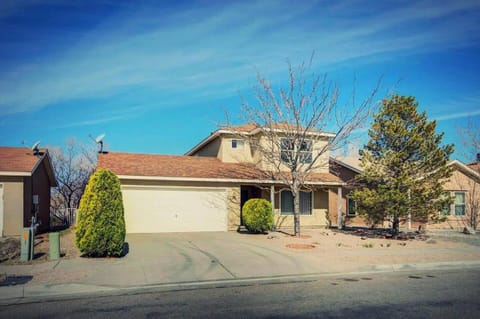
{"x": 205, "y": 49}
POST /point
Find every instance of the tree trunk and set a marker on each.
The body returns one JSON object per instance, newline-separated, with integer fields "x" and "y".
{"x": 296, "y": 212}
{"x": 395, "y": 226}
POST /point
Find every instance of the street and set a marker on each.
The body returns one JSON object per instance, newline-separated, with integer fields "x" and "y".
{"x": 415, "y": 294}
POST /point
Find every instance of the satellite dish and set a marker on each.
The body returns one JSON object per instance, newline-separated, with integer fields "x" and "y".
{"x": 99, "y": 138}
{"x": 35, "y": 146}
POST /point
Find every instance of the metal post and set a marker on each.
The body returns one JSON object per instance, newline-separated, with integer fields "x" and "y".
{"x": 339, "y": 213}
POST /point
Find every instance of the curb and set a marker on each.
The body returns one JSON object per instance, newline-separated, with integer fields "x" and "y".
{"x": 12, "y": 295}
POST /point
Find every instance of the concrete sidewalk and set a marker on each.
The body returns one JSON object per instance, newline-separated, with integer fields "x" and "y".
{"x": 161, "y": 262}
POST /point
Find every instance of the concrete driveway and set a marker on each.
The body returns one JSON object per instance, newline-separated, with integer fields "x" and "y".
{"x": 187, "y": 257}
{"x": 194, "y": 257}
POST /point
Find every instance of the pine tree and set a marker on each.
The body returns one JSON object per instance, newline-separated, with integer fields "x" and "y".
{"x": 100, "y": 229}
{"x": 404, "y": 165}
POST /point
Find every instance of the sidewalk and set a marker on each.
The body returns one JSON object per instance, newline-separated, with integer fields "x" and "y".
{"x": 163, "y": 262}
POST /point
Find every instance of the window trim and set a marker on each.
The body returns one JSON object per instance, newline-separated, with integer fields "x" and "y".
{"x": 282, "y": 213}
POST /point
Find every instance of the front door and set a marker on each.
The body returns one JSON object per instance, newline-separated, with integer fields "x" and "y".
{"x": 246, "y": 193}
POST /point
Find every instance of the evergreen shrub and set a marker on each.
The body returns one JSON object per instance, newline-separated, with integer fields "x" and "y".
{"x": 257, "y": 215}
{"x": 100, "y": 229}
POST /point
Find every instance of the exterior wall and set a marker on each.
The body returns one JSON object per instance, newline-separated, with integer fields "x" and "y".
{"x": 235, "y": 155}
{"x": 41, "y": 187}
{"x": 462, "y": 183}
{"x": 233, "y": 195}
{"x": 221, "y": 148}
{"x": 321, "y": 165}
{"x": 212, "y": 149}
{"x": 12, "y": 205}
{"x": 318, "y": 218}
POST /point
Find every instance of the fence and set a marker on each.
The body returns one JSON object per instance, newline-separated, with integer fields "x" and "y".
{"x": 64, "y": 216}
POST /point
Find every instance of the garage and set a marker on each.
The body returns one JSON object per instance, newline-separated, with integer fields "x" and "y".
{"x": 154, "y": 209}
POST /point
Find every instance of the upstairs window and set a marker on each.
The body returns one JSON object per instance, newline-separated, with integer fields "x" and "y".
{"x": 236, "y": 143}
{"x": 288, "y": 149}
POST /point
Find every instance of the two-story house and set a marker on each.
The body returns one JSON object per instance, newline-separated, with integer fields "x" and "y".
{"x": 205, "y": 189}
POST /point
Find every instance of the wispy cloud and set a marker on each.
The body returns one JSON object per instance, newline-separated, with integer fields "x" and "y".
{"x": 206, "y": 49}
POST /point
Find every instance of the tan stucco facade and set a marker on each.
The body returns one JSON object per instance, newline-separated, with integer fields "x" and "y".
{"x": 12, "y": 205}
{"x": 462, "y": 183}
{"x": 221, "y": 147}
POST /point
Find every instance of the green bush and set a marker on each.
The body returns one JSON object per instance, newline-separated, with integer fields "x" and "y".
{"x": 257, "y": 215}
{"x": 100, "y": 229}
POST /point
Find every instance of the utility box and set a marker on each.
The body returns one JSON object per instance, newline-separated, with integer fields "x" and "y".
{"x": 54, "y": 240}
{"x": 26, "y": 244}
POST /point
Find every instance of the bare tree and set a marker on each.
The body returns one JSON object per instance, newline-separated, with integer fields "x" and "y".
{"x": 294, "y": 119}
{"x": 471, "y": 140}
{"x": 73, "y": 165}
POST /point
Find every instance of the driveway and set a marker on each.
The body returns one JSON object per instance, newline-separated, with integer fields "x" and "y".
{"x": 187, "y": 257}
{"x": 194, "y": 257}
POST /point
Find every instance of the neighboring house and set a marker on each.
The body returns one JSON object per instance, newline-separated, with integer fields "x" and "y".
{"x": 463, "y": 186}
{"x": 24, "y": 175}
{"x": 205, "y": 189}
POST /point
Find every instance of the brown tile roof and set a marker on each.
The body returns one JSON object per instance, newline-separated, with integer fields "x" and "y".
{"x": 474, "y": 166}
{"x": 17, "y": 159}
{"x": 187, "y": 167}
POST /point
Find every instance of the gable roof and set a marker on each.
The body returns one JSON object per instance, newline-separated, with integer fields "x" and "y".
{"x": 251, "y": 129}
{"x": 21, "y": 161}
{"x": 191, "y": 168}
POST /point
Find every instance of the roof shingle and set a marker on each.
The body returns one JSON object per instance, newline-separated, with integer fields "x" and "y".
{"x": 17, "y": 159}
{"x": 150, "y": 165}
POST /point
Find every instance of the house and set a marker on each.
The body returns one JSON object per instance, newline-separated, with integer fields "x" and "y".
{"x": 463, "y": 186}
{"x": 205, "y": 189}
{"x": 25, "y": 177}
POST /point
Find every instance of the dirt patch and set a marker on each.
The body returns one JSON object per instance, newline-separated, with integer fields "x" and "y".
{"x": 10, "y": 248}
{"x": 300, "y": 246}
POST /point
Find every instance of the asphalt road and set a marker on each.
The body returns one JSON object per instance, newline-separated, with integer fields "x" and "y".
{"x": 433, "y": 294}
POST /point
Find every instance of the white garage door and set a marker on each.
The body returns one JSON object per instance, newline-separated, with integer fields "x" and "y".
{"x": 174, "y": 209}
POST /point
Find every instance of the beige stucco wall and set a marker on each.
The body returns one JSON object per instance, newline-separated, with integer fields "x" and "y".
{"x": 241, "y": 154}
{"x": 318, "y": 218}
{"x": 248, "y": 154}
{"x": 212, "y": 149}
{"x": 462, "y": 183}
{"x": 12, "y": 205}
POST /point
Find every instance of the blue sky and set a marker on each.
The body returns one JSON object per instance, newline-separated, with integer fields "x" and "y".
{"x": 157, "y": 77}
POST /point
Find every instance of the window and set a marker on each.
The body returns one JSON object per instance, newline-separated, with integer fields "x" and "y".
{"x": 459, "y": 203}
{"x": 237, "y": 143}
{"x": 351, "y": 207}
{"x": 286, "y": 203}
{"x": 306, "y": 152}
{"x": 287, "y": 152}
